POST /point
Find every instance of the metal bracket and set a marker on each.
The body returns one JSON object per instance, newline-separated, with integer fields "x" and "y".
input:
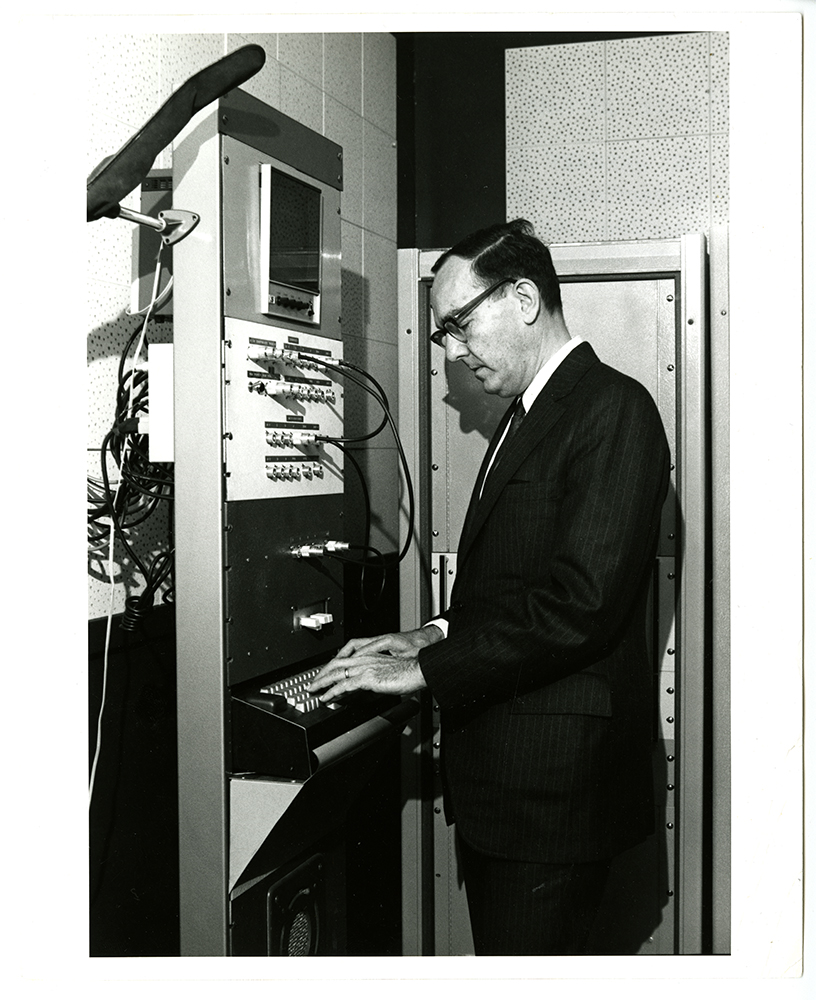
{"x": 174, "y": 223}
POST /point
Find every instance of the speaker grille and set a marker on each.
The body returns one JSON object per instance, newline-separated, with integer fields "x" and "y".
{"x": 300, "y": 934}
{"x": 293, "y": 910}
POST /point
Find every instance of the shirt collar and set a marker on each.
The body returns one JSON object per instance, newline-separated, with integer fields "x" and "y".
{"x": 530, "y": 394}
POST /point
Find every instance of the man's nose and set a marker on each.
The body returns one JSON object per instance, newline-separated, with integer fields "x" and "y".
{"x": 454, "y": 349}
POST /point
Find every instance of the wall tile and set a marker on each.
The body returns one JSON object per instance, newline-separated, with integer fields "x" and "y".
{"x": 266, "y": 84}
{"x": 363, "y": 413}
{"x": 555, "y": 94}
{"x": 353, "y": 290}
{"x": 123, "y": 77}
{"x": 303, "y": 53}
{"x": 719, "y": 49}
{"x": 719, "y": 179}
{"x": 657, "y": 86}
{"x": 301, "y": 100}
{"x": 108, "y": 248}
{"x": 343, "y": 68}
{"x": 560, "y": 189}
{"x": 666, "y": 96}
{"x": 345, "y": 127}
{"x": 658, "y": 188}
{"x": 379, "y": 74}
{"x": 380, "y": 288}
{"x": 182, "y": 56}
{"x": 379, "y": 181}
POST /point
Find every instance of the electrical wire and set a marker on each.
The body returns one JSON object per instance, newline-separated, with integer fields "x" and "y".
{"x": 379, "y": 394}
{"x": 366, "y": 534}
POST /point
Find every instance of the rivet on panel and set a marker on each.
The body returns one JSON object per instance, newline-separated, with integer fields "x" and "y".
{"x": 669, "y": 368}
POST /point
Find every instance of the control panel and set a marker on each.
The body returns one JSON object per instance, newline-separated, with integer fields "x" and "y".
{"x": 284, "y": 403}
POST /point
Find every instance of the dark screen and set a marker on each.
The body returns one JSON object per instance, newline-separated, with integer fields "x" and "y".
{"x": 294, "y": 243}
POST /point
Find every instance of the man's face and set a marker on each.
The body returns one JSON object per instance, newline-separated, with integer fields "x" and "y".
{"x": 493, "y": 344}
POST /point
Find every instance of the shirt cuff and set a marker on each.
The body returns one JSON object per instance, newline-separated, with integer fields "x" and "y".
{"x": 441, "y": 624}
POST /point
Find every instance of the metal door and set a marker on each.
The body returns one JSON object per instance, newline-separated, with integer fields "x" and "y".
{"x": 641, "y": 306}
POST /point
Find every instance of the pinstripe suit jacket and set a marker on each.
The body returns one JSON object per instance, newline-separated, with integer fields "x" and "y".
{"x": 544, "y": 683}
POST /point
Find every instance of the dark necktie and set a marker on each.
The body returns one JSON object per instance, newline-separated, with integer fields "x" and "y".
{"x": 515, "y": 420}
{"x": 515, "y": 423}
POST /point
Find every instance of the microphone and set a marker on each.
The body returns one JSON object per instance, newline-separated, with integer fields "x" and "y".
{"x": 116, "y": 176}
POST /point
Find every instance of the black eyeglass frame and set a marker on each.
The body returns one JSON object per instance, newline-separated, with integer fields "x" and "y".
{"x": 451, "y": 325}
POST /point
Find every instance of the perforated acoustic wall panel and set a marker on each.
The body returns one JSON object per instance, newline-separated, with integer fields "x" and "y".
{"x": 340, "y": 85}
{"x": 618, "y": 140}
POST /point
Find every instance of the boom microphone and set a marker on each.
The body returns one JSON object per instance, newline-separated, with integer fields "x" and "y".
{"x": 116, "y": 176}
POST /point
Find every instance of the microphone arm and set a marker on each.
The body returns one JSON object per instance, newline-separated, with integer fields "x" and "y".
{"x": 116, "y": 176}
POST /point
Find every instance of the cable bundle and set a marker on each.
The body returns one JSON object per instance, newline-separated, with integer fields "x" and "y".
{"x": 142, "y": 485}
{"x": 370, "y": 554}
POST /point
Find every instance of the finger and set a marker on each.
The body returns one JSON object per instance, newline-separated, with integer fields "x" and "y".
{"x": 355, "y": 646}
{"x": 334, "y": 671}
{"x": 337, "y": 684}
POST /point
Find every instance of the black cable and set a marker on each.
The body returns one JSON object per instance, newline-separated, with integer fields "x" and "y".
{"x": 379, "y": 394}
{"x": 366, "y": 533}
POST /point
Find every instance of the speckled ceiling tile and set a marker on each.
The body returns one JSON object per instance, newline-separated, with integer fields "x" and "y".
{"x": 657, "y": 86}
{"x": 720, "y": 76}
{"x": 658, "y": 188}
{"x": 265, "y": 85}
{"x": 559, "y": 189}
{"x": 123, "y": 77}
{"x": 554, "y": 94}
{"x": 302, "y": 52}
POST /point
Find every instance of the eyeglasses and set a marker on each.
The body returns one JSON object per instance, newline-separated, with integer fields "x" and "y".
{"x": 452, "y": 324}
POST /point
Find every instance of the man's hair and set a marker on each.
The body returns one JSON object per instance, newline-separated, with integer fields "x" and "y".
{"x": 509, "y": 250}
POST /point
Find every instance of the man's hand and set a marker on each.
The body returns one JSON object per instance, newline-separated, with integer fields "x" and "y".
{"x": 387, "y": 664}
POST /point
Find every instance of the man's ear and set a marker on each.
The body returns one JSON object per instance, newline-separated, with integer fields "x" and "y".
{"x": 529, "y": 299}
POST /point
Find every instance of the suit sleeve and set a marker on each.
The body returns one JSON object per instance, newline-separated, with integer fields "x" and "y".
{"x": 581, "y": 591}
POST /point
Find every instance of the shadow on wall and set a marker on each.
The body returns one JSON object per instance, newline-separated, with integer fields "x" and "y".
{"x": 478, "y": 410}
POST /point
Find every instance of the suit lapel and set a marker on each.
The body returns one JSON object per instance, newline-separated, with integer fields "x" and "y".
{"x": 543, "y": 415}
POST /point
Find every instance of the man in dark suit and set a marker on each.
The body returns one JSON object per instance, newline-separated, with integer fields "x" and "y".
{"x": 539, "y": 666}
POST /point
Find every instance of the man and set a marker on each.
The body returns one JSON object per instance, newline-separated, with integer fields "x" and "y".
{"x": 539, "y": 666}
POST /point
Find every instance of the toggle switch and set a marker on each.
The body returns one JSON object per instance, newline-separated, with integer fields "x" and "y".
{"x": 310, "y": 621}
